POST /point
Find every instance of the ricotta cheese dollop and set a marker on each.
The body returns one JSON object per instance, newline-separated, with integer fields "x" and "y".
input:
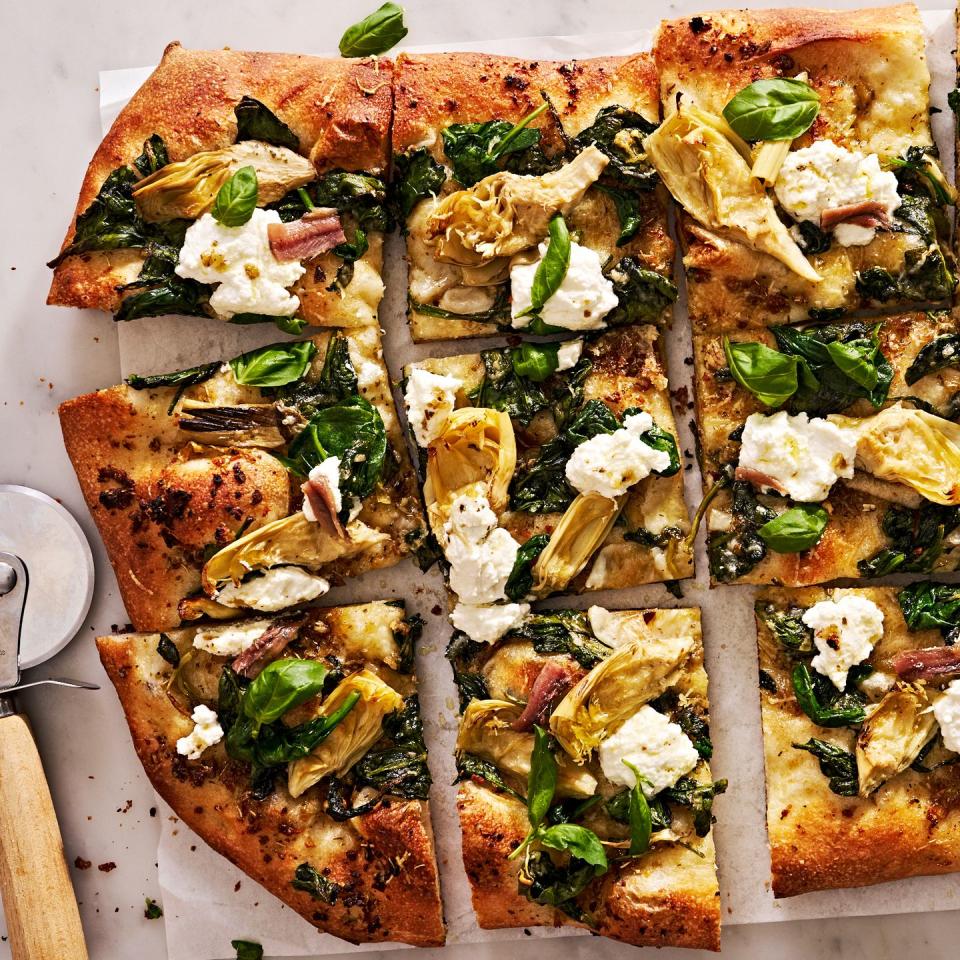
{"x": 429, "y": 399}
{"x": 487, "y": 623}
{"x": 583, "y": 299}
{"x": 568, "y": 354}
{"x": 206, "y": 732}
{"x": 239, "y": 259}
{"x": 845, "y": 632}
{"x": 611, "y": 463}
{"x": 947, "y": 711}
{"x": 825, "y": 176}
{"x": 800, "y": 456}
{"x": 328, "y": 472}
{"x": 655, "y": 745}
{"x": 229, "y": 641}
{"x": 276, "y": 589}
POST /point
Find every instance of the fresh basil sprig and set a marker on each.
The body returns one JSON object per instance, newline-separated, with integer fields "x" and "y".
{"x": 535, "y": 362}
{"x": 778, "y": 108}
{"x": 796, "y": 529}
{"x": 236, "y": 199}
{"x": 771, "y": 376}
{"x": 641, "y": 820}
{"x": 374, "y": 34}
{"x": 552, "y": 268}
{"x": 281, "y": 686}
{"x": 275, "y": 365}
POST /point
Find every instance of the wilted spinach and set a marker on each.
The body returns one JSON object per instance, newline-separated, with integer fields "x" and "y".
{"x": 787, "y": 627}
{"x": 562, "y": 632}
{"x": 337, "y": 381}
{"x": 415, "y": 175}
{"x": 932, "y": 606}
{"x": 643, "y": 294}
{"x": 470, "y": 766}
{"x": 619, "y": 133}
{"x": 839, "y": 765}
{"x": 307, "y": 878}
{"x": 735, "y": 552}
{"x": 168, "y": 650}
{"x": 916, "y": 540}
{"x": 401, "y": 769}
{"x": 256, "y": 121}
{"x": 699, "y": 797}
{"x": 823, "y": 703}
{"x": 520, "y": 581}
{"x": 939, "y": 353}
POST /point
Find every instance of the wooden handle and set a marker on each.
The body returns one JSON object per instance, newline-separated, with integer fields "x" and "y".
{"x": 41, "y": 909}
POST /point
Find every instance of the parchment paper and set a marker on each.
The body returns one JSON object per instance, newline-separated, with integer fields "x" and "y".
{"x": 207, "y": 902}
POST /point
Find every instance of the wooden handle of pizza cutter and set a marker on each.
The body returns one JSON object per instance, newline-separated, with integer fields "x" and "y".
{"x": 41, "y": 908}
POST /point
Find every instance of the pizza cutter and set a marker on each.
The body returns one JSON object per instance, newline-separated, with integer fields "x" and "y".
{"x": 46, "y": 585}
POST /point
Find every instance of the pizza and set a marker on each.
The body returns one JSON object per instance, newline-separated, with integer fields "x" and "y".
{"x": 549, "y": 468}
{"x": 248, "y": 485}
{"x": 831, "y": 451}
{"x": 861, "y": 729}
{"x": 487, "y": 150}
{"x": 244, "y": 186}
{"x": 586, "y": 794}
{"x": 798, "y": 144}
{"x": 294, "y": 747}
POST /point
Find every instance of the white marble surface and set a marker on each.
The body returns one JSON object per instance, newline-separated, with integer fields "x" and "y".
{"x": 52, "y": 52}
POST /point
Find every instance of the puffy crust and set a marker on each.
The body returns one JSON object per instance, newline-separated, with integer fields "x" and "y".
{"x": 818, "y": 840}
{"x": 340, "y": 110}
{"x": 384, "y": 860}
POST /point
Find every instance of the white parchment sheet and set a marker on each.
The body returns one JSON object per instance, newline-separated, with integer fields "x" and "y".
{"x": 207, "y": 902}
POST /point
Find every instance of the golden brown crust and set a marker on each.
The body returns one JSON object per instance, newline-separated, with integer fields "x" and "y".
{"x": 384, "y": 860}
{"x": 909, "y": 827}
{"x": 340, "y": 110}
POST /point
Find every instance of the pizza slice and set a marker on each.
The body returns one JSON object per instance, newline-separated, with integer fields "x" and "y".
{"x": 248, "y": 485}
{"x": 294, "y": 747}
{"x": 488, "y": 151}
{"x": 861, "y": 728}
{"x": 549, "y": 468}
{"x": 586, "y": 791}
{"x": 798, "y": 144}
{"x": 243, "y": 186}
{"x": 831, "y": 451}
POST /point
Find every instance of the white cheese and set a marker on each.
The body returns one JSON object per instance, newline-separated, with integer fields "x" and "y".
{"x": 206, "y": 732}
{"x": 275, "y": 589}
{"x": 481, "y": 554}
{"x": 583, "y": 299}
{"x": 611, "y": 463}
{"x": 429, "y": 399}
{"x": 802, "y": 456}
{"x": 229, "y": 641}
{"x": 604, "y": 625}
{"x": 568, "y": 354}
{"x": 877, "y": 685}
{"x": 947, "y": 711}
{"x": 656, "y": 746}
{"x": 328, "y": 472}
{"x": 368, "y": 373}
{"x": 845, "y": 632}
{"x": 239, "y": 259}
{"x": 487, "y": 623}
{"x": 825, "y": 176}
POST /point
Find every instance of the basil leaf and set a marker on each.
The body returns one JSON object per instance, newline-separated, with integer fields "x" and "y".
{"x": 520, "y": 581}
{"x": 939, "y": 353}
{"x": 823, "y": 703}
{"x": 374, "y": 34}
{"x": 281, "y": 686}
{"x": 535, "y": 362}
{"x": 237, "y": 199}
{"x": 542, "y": 780}
{"x": 855, "y": 360}
{"x": 275, "y": 365}
{"x": 256, "y": 121}
{"x": 836, "y": 763}
{"x": 778, "y": 108}
{"x": 578, "y": 841}
{"x": 771, "y": 376}
{"x": 552, "y": 268}
{"x": 796, "y": 529}
{"x": 641, "y": 822}
{"x": 247, "y": 950}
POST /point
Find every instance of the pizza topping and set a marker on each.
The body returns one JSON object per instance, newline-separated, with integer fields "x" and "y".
{"x": 314, "y": 233}
{"x": 206, "y": 732}
{"x": 274, "y": 589}
{"x": 552, "y": 683}
{"x": 269, "y": 645}
{"x": 845, "y": 631}
{"x": 229, "y": 641}
{"x": 429, "y": 399}
{"x": 650, "y": 745}
{"x": 322, "y": 500}
{"x": 568, "y": 354}
{"x": 946, "y": 709}
{"x": 869, "y": 214}
{"x": 249, "y": 278}
{"x": 487, "y": 623}
{"x": 929, "y": 663}
{"x": 243, "y": 425}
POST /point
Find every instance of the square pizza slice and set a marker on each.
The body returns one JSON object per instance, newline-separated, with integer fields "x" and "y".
{"x": 860, "y": 701}
{"x": 488, "y": 151}
{"x": 586, "y": 794}
{"x": 252, "y": 484}
{"x": 548, "y": 469}
{"x": 831, "y": 451}
{"x": 798, "y": 144}
{"x": 294, "y": 747}
{"x": 243, "y": 186}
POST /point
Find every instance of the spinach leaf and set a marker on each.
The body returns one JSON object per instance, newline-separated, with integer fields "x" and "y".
{"x": 337, "y": 381}
{"x": 839, "y": 765}
{"x": 552, "y": 268}
{"x": 503, "y": 388}
{"x": 542, "y": 780}
{"x": 535, "y": 361}
{"x": 618, "y": 808}
{"x": 289, "y": 324}
{"x": 247, "y": 950}
{"x": 281, "y": 686}
{"x": 643, "y": 294}
{"x": 953, "y": 100}
{"x": 627, "y": 205}
{"x": 176, "y": 295}
{"x": 699, "y": 797}
{"x": 153, "y": 156}
{"x": 619, "y": 133}
{"x": 237, "y": 199}
{"x": 375, "y": 33}
{"x": 594, "y": 418}
{"x": 546, "y": 883}
{"x": 661, "y": 440}
{"x": 168, "y": 650}
{"x": 498, "y": 312}
{"x": 813, "y": 240}
{"x": 734, "y": 553}
{"x": 362, "y": 195}
{"x": 275, "y": 365}
{"x": 649, "y": 539}
{"x": 415, "y": 175}
{"x": 473, "y": 767}
{"x": 823, "y": 703}
{"x": 787, "y": 627}
{"x": 771, "y": 376}
{"x": 579, "y": 842}
{"x": 777, "y": 108}
{"x": 917, "y": 539}
{"x": 796, "y": 529}
{"x": 256, "y": 121}
{"x": 307, "y": 878}
{"x": 179, "y": 378}
{"x": 929, "y": 606}
{"x": 561, "y": 632}
{"x": 152, "y": 910}
{"x": 939, "y": 353}
{"x": 470, "y": 686}
{"x": 918, "y": 171}
{"x": 697, "y": 729}
{"x": 541, "y": 486}
{"x": 401, "y": 770}
{"x": 520, "y": 581}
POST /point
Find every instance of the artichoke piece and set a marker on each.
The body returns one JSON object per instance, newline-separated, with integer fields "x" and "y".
{"x": 193, "y": 608}
{"x": 634, "y": 674}
{"x": 582, "y": 528}
{"x": 485, "y": 732}
{"x": 893, "y": 735}
{"x": 187, "y": 188}
{"x": 707, "y": 174}
{"x": 359, "y": 730}
{"x": 507, "y": 212}
{"x": 244, "y": 425}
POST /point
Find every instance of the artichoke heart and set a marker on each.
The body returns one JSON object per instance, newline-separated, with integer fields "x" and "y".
{"x": 507, "y": 212}
{"x": 710, "y": 178}
{"x": 582, "y": 528}
{"x": 290, "y": 540}
{"x": 893, "y": 735}
{"x": 914, "y": 448}
{"x": 243, "y": 425}
{"x": 187, "y": 188}
{"x": 634, "y": 674}
{"x": 359, "y": 730}
{"x": 485, "y": 732}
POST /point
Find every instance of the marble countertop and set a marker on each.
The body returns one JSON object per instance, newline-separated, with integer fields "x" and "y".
{"x": 53, "y": 52}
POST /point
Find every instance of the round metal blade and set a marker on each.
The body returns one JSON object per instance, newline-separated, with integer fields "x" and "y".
{"x": 50, "y": 542}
